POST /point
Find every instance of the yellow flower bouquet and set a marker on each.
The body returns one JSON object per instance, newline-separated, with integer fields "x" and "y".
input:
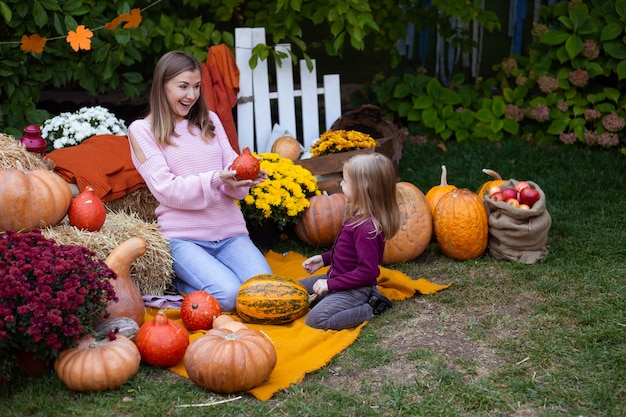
{"x": 335, "y": 141}
{"x": 283, "y": 196}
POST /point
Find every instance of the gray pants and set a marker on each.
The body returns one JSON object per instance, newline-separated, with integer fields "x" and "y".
{"x": 340, "y": 309}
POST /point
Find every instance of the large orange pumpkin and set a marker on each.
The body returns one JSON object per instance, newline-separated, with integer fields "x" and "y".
{"x": 97, "y": 365}
{"x": 32, "y": 199}
{"x": 225, "y": 362}
{"x": 320, "y": 224}
{"x": 416, "y": 229}
{"x": 461, "y": 225}
{"x": 130, "y": 303}
{"x": 487, "y": 185}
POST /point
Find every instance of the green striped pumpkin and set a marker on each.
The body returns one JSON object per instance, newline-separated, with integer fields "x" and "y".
{"x": 270, "y": 299}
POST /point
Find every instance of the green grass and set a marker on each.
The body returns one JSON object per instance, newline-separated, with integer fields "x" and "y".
{"x": 506, "y": 339}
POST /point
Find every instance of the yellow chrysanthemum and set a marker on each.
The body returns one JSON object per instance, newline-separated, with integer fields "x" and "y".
{"x": 335, "y": 141}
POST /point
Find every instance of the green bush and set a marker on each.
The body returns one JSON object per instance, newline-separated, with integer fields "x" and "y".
{"x": 568, "y": 87}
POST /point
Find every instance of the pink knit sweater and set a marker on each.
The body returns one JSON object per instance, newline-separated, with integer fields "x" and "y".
{"x": 194, "y": 202}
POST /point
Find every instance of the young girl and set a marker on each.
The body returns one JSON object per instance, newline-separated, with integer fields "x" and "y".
{"x": 182, "y": 152}
{"x": 347, "y": 295}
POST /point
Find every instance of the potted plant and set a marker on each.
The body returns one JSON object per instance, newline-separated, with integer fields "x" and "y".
{"x": 70, "y": 129}
{"x": 282, "y": 198}
{"x": 50, "y": 295}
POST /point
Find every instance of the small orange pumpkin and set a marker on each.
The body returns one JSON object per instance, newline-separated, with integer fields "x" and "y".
{"x": 32, "y": 199}
{"x": 487, "y": 185}
{"x": 246, "y": 165}
{"x": 461, "y": 225}
{"x": 435, "y": 193}
{"x": 225, "y": 362}
{"x": 198, "y": 310}
{"x": 416, "y": 228}
{"x": 87, "y": 211}
{"x": 287, "y": 147}
{"x": 320, "y": 224}
{"x": 162, "y": 341}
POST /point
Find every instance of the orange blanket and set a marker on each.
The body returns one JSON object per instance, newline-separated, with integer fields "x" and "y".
{"x": 302, "y": 349}
{"x": 102, "y": 161}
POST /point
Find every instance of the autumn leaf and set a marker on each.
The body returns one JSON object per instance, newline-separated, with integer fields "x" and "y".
{"x": 81, "y": 39}
{"x": 33, "y": 43}
{"x": 133, "y": 18}
{"x": 114, "y": 23}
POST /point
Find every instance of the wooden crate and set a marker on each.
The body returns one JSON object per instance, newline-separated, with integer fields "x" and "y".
{"x": 328, "y": 169}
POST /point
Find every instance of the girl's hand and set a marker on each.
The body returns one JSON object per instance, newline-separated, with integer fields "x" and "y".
{"x": 320, "y": 287}
{"x": 312, "y": 264}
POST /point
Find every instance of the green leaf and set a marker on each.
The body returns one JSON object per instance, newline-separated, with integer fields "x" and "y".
{"x": 430, "y": 117}
{"x": 616, "y": 49}
{"x": 555, "y": 37}
{"x": 621, "y": 70}
{"x": 6, "y": 12}
{"x": 594, "y": 69}
{"x": 484, "y": 116}
{"x": 132, "y": 77}
{"x": 558, "y": 126}
{"x": 422, "y": 102}
{"x": 574, "y": 45}
{"x": 39, "y": 14}
{"x": 578, "y": 18}
{"x": 611, "y": 31}
{"x": 611, "y": 93}
{"x": 498, "y": 106}
{"x": 511, "y": 126}
{"x": 497, "y": 125}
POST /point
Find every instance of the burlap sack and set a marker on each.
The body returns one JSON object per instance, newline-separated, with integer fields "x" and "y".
{"x": 517, "y": 234}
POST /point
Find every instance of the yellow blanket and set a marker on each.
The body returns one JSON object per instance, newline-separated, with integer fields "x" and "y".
{"x": 302, "y": 349}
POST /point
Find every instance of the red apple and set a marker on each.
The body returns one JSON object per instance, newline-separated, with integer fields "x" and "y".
{"x": 529, "y": 196}
{"x": 513, "y": 202}
{"x": 495, "y": 189}
{"x": 521, "y": 185}
{"x": 508, "y": 193}
{"x": 497, "y": 196}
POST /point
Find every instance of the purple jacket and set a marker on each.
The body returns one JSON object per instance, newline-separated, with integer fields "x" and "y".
{"x": 355, "y": 257}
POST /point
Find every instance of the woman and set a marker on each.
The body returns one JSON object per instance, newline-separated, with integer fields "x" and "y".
{"x": 182, "y": 152}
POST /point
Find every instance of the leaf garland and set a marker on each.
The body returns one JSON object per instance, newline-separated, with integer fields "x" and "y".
{"x": 80, "y": 38}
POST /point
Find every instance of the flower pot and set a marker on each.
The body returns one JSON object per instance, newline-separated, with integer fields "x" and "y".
{"x": 265, "y": 235}
{"x": 31, "y": 365}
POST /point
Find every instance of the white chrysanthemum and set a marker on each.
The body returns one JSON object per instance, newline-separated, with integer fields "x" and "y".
{"x": 69, "y": 129}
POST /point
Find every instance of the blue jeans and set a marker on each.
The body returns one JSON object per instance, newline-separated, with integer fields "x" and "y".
{"x": 340, "y": 309}
{"x": 218, "y": 268}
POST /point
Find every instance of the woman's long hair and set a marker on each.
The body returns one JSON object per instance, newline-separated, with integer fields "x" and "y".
{"x": 373, "y": 181}
{"x": 169, "y": 66}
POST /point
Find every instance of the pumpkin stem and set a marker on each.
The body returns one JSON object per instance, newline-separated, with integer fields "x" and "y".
{"x": 492, "y": 173}
{"x": 444, "y": 176}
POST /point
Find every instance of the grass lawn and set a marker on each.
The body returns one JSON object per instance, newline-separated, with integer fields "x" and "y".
{"x": 506, "y": 339}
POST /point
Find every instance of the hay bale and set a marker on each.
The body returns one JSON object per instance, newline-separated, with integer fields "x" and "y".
{"x": 14, "y": 155}
{"x": 152, "y": 272}
{"x": 140, "y": 202}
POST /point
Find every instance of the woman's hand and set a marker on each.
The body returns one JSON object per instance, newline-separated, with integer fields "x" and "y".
{"x": 312, "y": 264}
{"x": 229, "y": 176}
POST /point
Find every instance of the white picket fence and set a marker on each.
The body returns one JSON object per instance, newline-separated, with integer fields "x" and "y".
{"x": 256, "y": 126}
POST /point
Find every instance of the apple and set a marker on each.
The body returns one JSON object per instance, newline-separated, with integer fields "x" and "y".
{"x": 524, "y": 206}
{"x": 521, "y": 185}
{"x": 529, "y": 196}
{"x": 513, "y": 202}
{"x": 495, "y": 189}
{"x": 497, "y": 196}
{"x": 508, "y": 193}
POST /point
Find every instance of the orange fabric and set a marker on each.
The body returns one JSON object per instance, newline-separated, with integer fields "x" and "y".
{"x": 301, "y": 349}
{"x": 102, "y": 161}
{"x": 220, "y": 81}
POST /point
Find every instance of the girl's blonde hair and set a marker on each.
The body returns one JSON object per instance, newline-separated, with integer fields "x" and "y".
{"x": 373, "y": 182}
{"x": 169, "y": 66}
